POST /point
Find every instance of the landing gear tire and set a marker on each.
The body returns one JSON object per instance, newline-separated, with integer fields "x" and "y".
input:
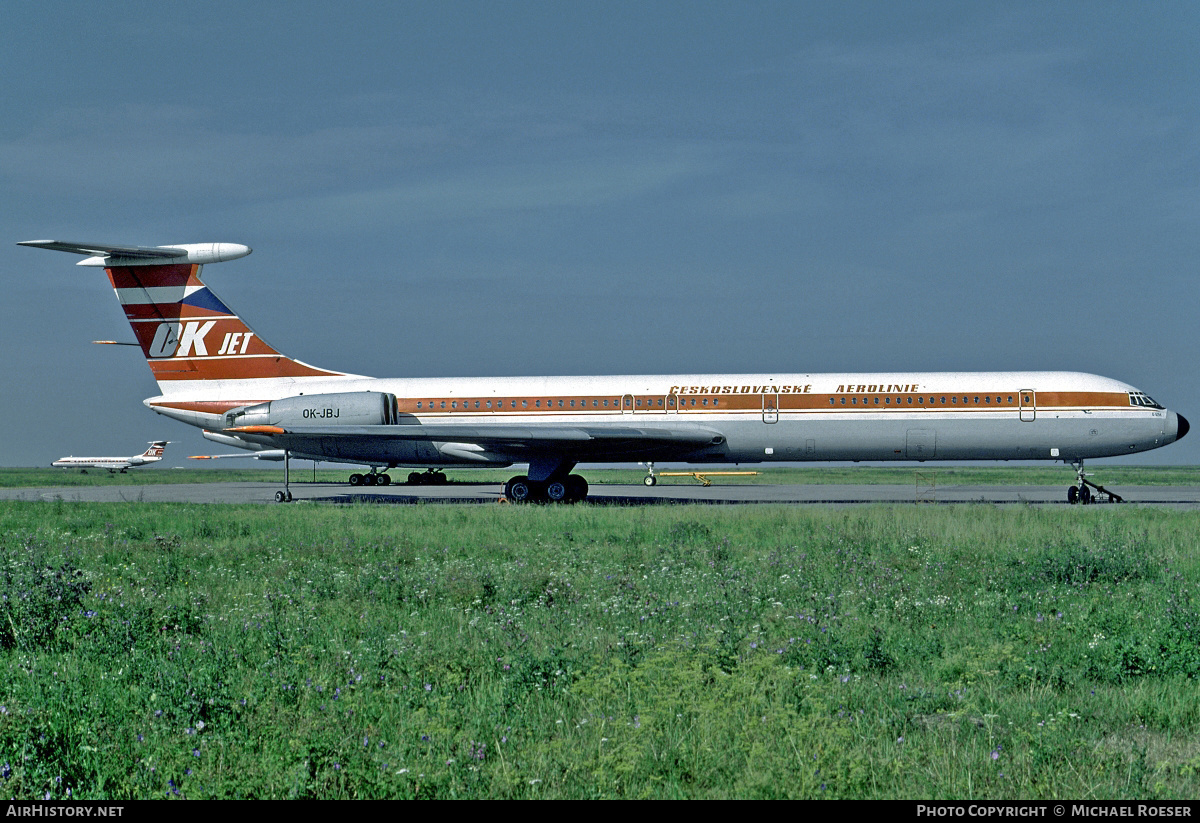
{"x": 283, "y": 497}
{"x": 1073, "y": 495}
{"x": 1085, "y": 495}
{"x": 368, "y": 479}
{"x": 577, "y": 488}
{"x": 427, "y": 478}
{"x": 650, "y": 480}
{"x": 519, "y": 489}
{"x": 556, "y": 492}
{"x": 356, "y": 479}
{"x": 383, "y": 480}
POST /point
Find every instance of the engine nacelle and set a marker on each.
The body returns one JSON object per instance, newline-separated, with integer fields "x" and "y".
{"x": 360, "y": 408}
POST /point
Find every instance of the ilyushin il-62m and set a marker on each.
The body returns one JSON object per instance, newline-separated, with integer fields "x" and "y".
{"x": 215, "y": 372}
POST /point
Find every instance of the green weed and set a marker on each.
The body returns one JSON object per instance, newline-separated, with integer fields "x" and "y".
{"x": 952, "y": 652}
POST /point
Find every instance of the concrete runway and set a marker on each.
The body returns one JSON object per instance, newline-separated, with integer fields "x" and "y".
{"x": 1183, "y": 497}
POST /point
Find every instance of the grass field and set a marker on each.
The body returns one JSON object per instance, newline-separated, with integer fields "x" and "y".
{"x": 946, "y": 474}
{"x": 527, "y": 652}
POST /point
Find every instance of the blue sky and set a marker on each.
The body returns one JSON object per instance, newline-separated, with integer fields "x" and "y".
{"x": 442, "y": 188}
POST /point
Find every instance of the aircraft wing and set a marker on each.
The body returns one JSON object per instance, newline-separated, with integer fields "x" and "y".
{"x": 269, "y": 454}
{"x": 517, "y": 442}
{"x": 100, "y": 249}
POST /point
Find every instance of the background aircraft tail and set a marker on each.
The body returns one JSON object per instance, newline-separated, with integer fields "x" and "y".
{"x": 185, "y": 331}
{"x": 156, "y": 449}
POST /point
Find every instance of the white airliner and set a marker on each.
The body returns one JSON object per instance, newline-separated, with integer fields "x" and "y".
{"x": 214, "y": 372}
{"x": 114, "y": 464}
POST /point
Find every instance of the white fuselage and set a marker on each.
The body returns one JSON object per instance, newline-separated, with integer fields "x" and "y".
{"x": 763, "y": 418}
{"x": 102, "y": 462}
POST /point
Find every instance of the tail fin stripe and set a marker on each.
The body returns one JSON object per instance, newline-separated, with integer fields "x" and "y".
{"x": 157, "y": 294}
{"x": 154, "y": 276}
{"x": 150, "y": 313}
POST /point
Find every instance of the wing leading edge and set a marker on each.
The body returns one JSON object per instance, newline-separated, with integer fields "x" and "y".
{"x": 517, "y": 443}
{"x": 100, "y": 249}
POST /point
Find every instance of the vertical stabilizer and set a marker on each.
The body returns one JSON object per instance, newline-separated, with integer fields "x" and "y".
{"x": 185, "y": 331}
{"x": 156, "y": 449}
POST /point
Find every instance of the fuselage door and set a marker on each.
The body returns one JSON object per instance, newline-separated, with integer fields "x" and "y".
{"x": 920, "y": 444}
{"x": 1028, "y": 405}
{"x": 672, "y": 403}
{"x": 770, "y": 407}
{"x": 627, "y": 404}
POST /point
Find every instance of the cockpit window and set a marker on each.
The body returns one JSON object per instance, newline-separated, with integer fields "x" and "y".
{"x": 1137, "y": 398}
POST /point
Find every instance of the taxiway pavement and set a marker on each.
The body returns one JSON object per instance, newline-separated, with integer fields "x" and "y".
{"x": 1186, "y": 497}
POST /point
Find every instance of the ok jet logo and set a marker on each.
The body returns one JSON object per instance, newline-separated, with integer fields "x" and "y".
{"x": 188, "y": 339}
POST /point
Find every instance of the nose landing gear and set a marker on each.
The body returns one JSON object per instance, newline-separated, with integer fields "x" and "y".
{"x": 1082, "y": 493}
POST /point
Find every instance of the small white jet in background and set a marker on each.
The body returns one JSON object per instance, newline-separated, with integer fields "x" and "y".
{"x": 114, "y": 464}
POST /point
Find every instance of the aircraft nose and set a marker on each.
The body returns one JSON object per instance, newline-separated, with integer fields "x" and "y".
{"x": 1182, "y": 426}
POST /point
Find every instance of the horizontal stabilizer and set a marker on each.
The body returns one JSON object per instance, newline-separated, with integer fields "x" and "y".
{"x": 102, "y": 254}
{"x": 101, "y": 250}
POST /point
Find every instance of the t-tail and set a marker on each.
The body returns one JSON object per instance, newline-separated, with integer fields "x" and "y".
{"x": 188, "y": 335}
{"x": 156, "y": 449}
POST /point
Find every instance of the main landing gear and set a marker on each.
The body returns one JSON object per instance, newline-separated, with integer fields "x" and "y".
{"x": 570, "y": 489}
{"x": 1082, "y": 493}
{"x": 429, "y": 477}
{"x": 549, "y": 481}
{"x": 375, "y": 478}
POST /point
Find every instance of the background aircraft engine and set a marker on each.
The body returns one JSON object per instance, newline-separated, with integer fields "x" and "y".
{"x": 362, "y": 408}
